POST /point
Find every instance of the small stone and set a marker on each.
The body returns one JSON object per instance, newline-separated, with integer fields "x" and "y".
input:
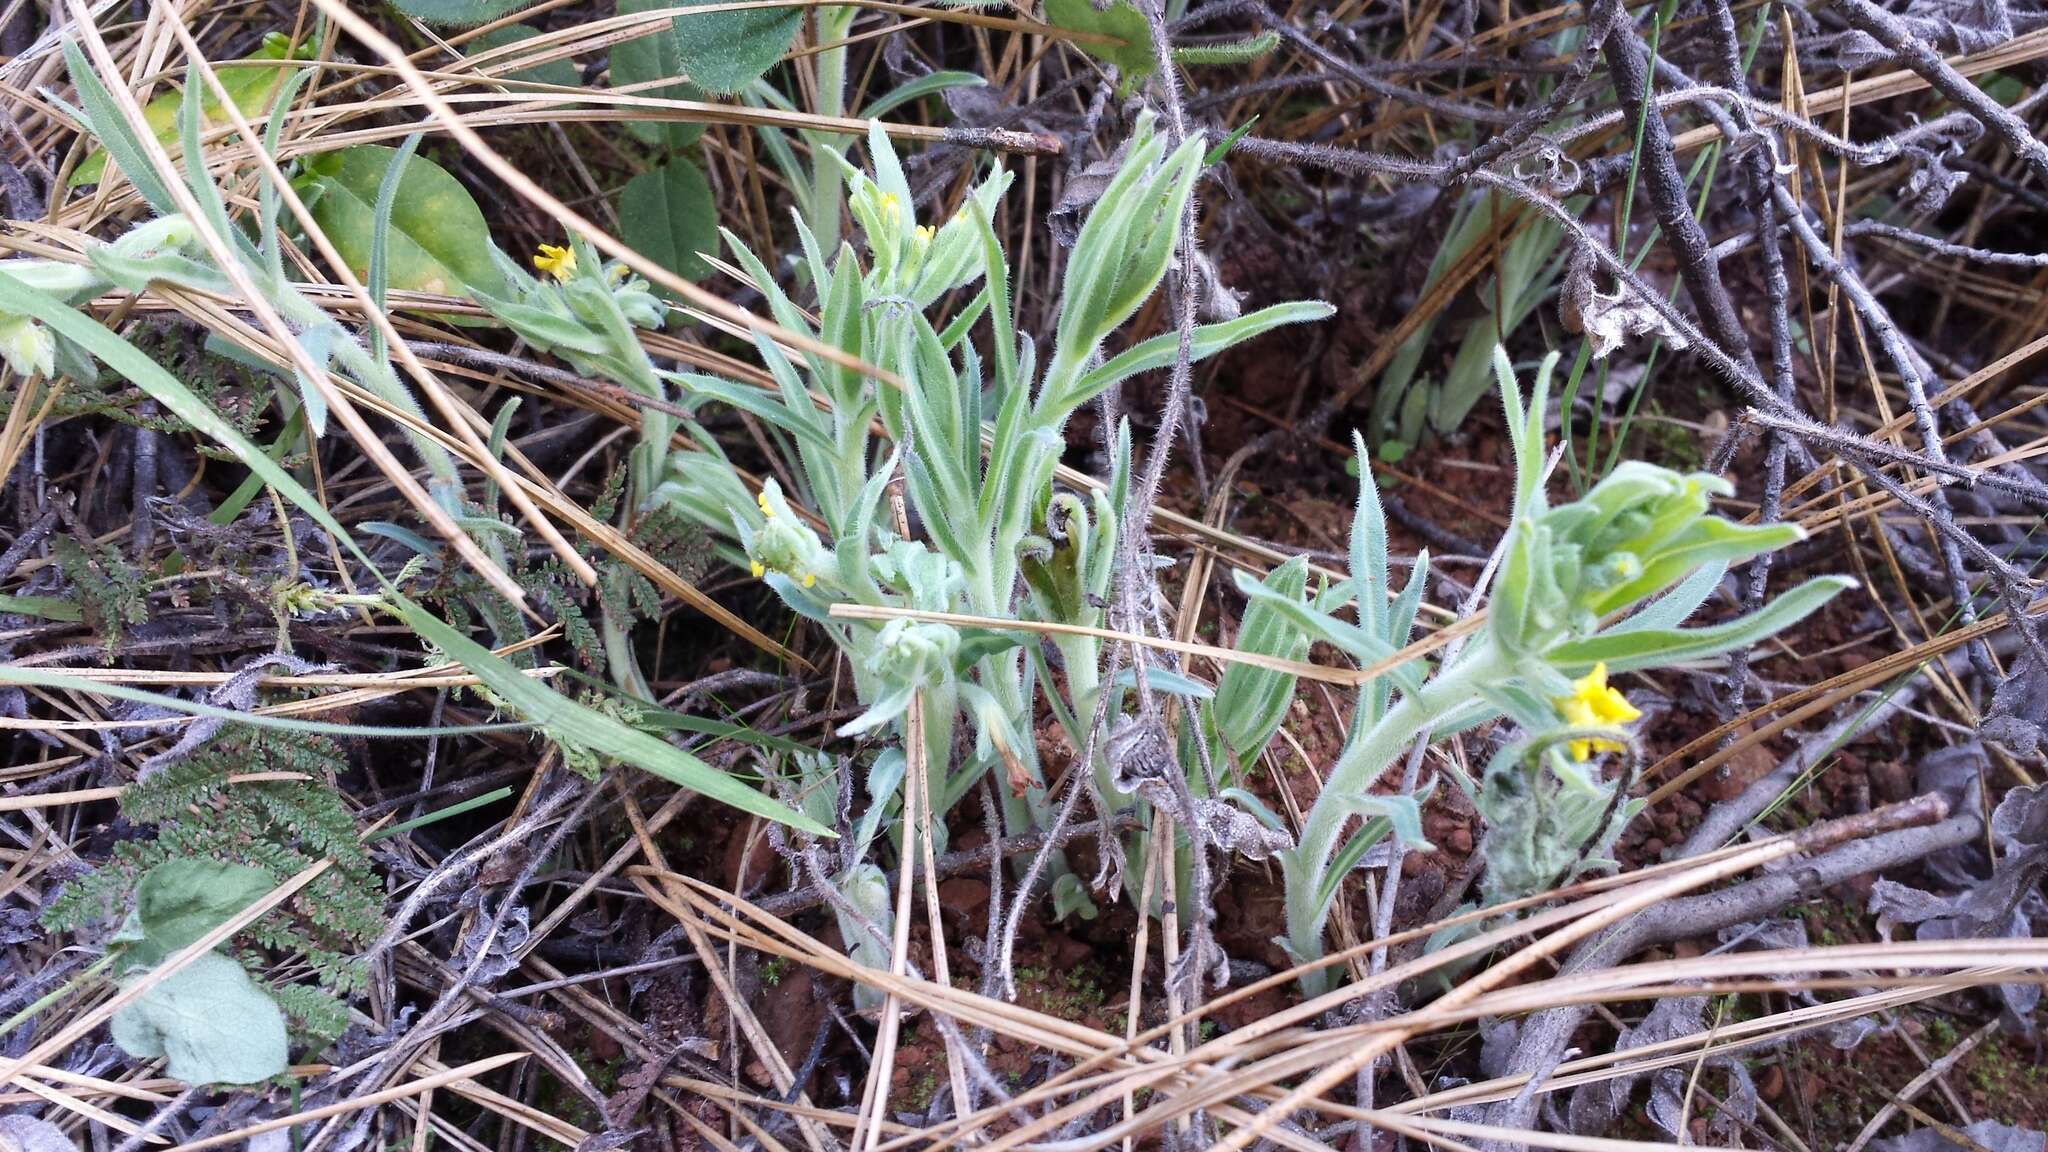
{"x": 1771, "y": 1085}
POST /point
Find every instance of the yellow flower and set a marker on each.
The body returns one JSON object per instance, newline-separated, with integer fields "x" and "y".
{"x": 557, "y": 262}
{"x": 925, "y": 232}
{"x": 759, "y": 570}
{"x": 1593, "y": 704}
{"x": 888, "y": 203}
{"x": 810, "y": 578}
{"x": 767, "y": 509}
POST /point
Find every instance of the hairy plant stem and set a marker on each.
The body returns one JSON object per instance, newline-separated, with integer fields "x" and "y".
{"x": 828, "y": 185}
{"x": 1306, "y": 866}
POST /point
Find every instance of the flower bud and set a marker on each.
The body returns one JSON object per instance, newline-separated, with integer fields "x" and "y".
{"x": 784, "y": 544}
{"x": 27, "y": 346}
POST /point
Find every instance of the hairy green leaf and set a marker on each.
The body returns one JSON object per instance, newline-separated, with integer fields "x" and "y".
{"x": 1662, "y": 648}
{"x": 583, "y": 728}
{"x": 726, "y": 51}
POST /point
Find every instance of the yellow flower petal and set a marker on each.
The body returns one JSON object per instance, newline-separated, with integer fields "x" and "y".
{"x": 559, "y": 262}
{"x": 759, "y": 571}
{"x": 1593, "y": 704}
{"x": 766, "y": 508}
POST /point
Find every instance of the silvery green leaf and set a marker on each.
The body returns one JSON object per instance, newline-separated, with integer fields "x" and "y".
{"x": 319, "y": 341}
{"x": 799, "y": 422}
{"x": 106, "y": 121}
{"x": 867, "y": 929}
{"x": 1168, "y": 681}
{"x": 780, "y": 306}
{"x": 137, "y": 273}
{"x": 885, "y": 778}
{"x": 1662, "y": 648}
{"x": 1401, "y": 617}
{"x": 1206, "y": 341}
{"x": 551, "y": 330}
{"x": 1674, "y": 607}
{"x": 1368, "y": 551}
{"x": 181, "y": 900}
{"x": 1252, "y": 701}
{"x": 1708, "y": 540}
{"x": 1255, "y": 806}
{"x": 1096, "y": 262}
{"x": 886, "y": 708}
{"x": 209, "y": 1022}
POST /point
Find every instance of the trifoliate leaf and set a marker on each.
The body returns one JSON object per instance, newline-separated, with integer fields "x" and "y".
{"x": 668, "y": 215}
{"x": 209, "y": 1022}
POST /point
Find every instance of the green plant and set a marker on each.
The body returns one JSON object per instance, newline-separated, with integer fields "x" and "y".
{"x": 1640, "y": 542}
{"x": 994, "y": 519}
{"x": 1407, "y": 407}
{"x": 41, "y": 329}
{"x": 219, "y": 842}
{"x": 110, "y": 592}
{"x": 253, "y": 83}
{"x": 1003, "y": 541}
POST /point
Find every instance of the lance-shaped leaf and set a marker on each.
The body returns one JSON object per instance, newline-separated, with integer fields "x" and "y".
{"x": 1624, "y": 651}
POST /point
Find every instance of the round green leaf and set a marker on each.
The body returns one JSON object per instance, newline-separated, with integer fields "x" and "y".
{"x": 438, "y": 240}
{"x": 209, "y": 1022}
{"x": 178, "y": 901}
{"x": 667, "y": 214}
{"x": 726, "y": 51}
{"x": 658, "y": 55}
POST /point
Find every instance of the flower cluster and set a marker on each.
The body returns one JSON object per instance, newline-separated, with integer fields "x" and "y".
{"x": 913, "y": 261}
{"x": 783, "y": 544}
